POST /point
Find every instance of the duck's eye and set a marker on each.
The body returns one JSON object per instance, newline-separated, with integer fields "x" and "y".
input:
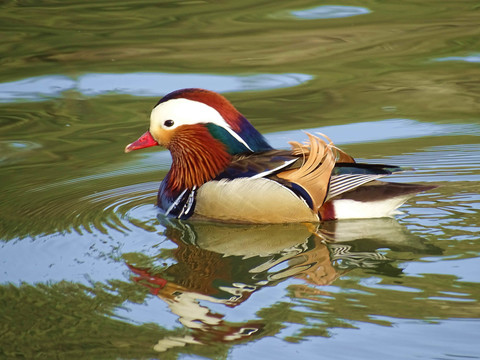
{"x": 168, "y": 123}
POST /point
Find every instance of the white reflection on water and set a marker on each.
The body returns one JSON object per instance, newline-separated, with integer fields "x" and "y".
{"x": 373, "y": 131}
{"x": 472, "y": 58}
{"x": 141, "y": 84}
{"x": 330, "y": 12}
{"x": 36, "y": 88}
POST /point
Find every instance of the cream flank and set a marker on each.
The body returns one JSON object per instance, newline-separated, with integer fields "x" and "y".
{"x": 188, "y": 112}
{"x": 351, "y": 209}
{"x": 253, "y": 201}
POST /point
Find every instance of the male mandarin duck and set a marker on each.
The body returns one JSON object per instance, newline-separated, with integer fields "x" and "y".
{"x": 224, "y": 169}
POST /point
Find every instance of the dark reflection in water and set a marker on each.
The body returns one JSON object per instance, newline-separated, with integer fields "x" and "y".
{"x": 226, "y": 264}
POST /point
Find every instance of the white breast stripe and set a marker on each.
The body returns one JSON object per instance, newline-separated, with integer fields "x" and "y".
{"x": 176, "y": 202}
{"x": 188, "y": 206}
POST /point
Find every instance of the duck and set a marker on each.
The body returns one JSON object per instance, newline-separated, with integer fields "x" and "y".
{"x": 223, "y": 169}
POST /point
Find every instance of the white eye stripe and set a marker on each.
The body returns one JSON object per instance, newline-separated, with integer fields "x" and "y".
{"x": 188, "y": 112}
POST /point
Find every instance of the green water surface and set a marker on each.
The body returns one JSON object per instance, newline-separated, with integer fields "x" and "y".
{"x": 88, "y": 268}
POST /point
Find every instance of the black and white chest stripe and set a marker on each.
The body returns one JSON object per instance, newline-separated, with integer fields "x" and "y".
{"x": 184, "y": 204}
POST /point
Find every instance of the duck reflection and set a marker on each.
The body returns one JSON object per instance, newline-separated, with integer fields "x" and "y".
{"x": 226, "y": 264}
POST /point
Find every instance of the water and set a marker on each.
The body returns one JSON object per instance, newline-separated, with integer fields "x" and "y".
{"x": 88, "y": 269}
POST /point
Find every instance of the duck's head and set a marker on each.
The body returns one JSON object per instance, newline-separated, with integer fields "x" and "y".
{"x": 189, "y": 116}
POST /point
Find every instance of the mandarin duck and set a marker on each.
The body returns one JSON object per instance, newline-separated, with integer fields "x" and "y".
{"x": 224, "y": 169}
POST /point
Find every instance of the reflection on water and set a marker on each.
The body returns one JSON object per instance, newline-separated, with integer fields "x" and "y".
{"x": 470, "y": 58}
{"x": 141, "y": 84}
{"x": 387, "y": 129}
{"x": 226, "y": 264}
{"x": 330, "y": 12}
{"x": 397, "y": 85}
{"x": 14, "y": 150}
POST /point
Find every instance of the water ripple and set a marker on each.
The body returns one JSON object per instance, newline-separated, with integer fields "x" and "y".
{"x": 13, "y": 149}
{"x": 452, "y": 163}
{"x": 141, "y": 84}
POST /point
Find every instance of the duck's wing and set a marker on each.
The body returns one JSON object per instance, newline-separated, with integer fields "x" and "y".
{"x": 312, "y": 177}
{"x": 324, "y": 171}
{"x": 346, "y": 176}
{"x": 306, "y": 169}
{"x": 258, "y": 165}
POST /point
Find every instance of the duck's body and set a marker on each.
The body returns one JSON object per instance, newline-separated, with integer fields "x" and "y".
{"x": 224, "y": 169}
